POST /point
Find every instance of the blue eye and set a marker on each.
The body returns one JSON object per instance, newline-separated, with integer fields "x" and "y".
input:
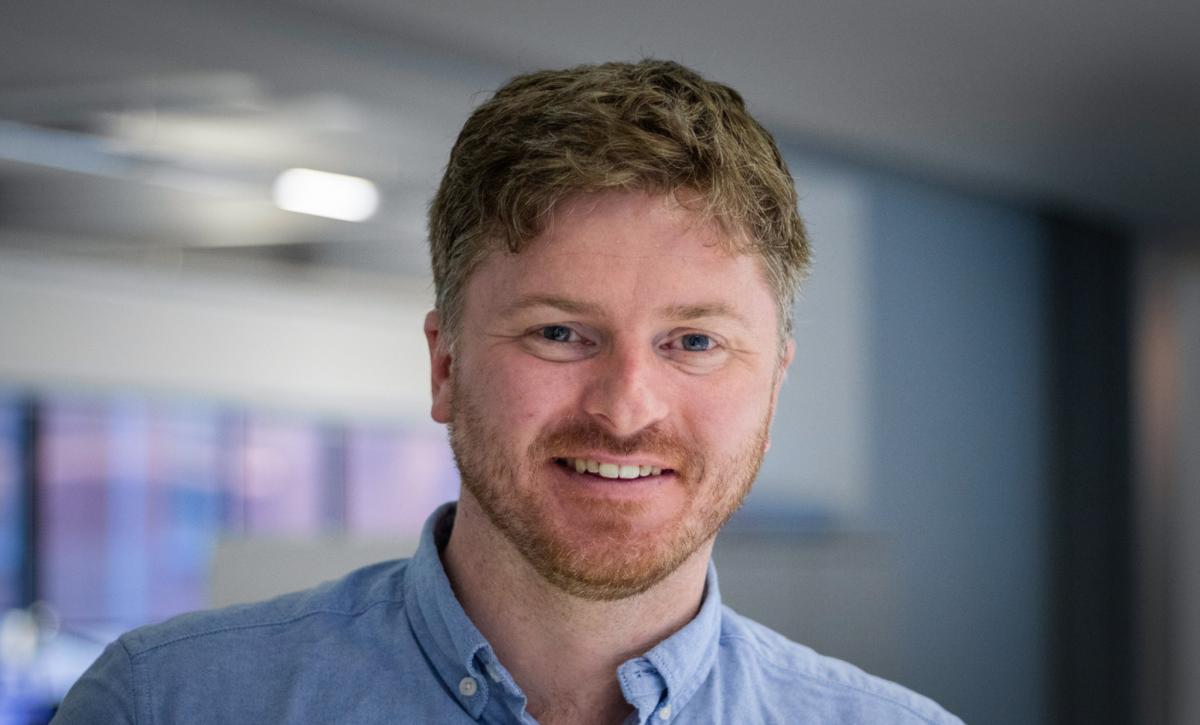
{"x": 696, "y": 342}
{"x": 557, "y": 333}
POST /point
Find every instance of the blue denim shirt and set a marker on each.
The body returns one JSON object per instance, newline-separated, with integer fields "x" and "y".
{"x": 390, "y": 643}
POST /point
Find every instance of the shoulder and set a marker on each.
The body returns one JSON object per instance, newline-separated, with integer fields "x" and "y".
{"x": 799, "y": 677}
{"x": 247, "y": 663}
{"x": 332, "y": 603}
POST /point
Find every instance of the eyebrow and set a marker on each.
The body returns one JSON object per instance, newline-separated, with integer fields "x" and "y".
{"x": 566, "y": 304}
{"x": 581, "y": 307}
{"x": 695, "y": 312}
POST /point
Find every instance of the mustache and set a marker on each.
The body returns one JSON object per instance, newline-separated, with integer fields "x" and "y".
{"x": 585, "y": 434}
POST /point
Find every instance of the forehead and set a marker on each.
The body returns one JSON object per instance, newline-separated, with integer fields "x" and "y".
{"x": 624, "y": 249}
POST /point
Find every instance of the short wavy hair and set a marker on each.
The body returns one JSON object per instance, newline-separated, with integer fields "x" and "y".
{"x": 653, "y": 126}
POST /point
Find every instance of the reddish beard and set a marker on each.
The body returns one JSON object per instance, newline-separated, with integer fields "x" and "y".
{"x": 605, "y": 557}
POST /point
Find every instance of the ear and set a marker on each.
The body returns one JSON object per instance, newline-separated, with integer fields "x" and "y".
{"x": 789, "y": 352}
{"x": 785, "y": 361}
{"x": 439, "y": 368}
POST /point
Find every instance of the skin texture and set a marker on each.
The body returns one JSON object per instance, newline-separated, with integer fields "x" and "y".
{"x": 625, "y": 333}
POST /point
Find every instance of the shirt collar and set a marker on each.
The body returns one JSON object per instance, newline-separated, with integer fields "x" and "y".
{"x": 666, "y": 677}
{"x": 442, "y": 629}
{"x": 663, "y": 678}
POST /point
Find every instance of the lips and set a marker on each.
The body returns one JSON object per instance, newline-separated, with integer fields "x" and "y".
{"x": 606, "y": 469}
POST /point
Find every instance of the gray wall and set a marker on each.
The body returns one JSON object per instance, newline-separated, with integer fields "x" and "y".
{"x": 1185, "y": 704}
{"x": 958, "y": 446}
{"x": 1168, "y": 478}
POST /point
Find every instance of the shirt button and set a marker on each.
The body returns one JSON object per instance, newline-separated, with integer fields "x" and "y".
{"x": 467, "y": 687}
{"x": 664, "y": 713}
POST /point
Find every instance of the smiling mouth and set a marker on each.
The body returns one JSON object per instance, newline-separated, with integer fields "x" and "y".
{"x": 611, "y": 470}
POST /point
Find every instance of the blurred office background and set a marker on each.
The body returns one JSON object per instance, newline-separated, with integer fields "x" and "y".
{"x": 984, "y": 475}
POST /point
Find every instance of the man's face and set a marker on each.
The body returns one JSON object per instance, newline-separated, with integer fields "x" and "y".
{"x": 611, "y": 390}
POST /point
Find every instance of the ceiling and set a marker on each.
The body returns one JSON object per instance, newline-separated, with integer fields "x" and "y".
{"x": 132, "y": 125}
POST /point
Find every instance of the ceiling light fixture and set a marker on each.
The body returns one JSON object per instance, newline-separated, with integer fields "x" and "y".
{"x": 321, "y": 193}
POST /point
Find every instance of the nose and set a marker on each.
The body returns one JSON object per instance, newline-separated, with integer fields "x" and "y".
{"x": 626, "y": 395}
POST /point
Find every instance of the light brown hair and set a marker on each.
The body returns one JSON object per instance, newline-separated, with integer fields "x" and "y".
{"x": 651, "y": 126}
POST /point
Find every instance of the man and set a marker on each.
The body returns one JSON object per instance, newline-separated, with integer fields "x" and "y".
{"x": 615, "y": 252}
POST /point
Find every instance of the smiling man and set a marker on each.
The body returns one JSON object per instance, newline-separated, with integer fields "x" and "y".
{"x": 615, "y": 251}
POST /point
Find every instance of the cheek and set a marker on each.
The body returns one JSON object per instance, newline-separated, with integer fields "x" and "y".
{"x": 724, "y": 416}
{"x": 522, "y": 393}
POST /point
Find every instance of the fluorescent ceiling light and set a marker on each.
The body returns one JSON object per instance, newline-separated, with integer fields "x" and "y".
{"x": 321, "y": 193}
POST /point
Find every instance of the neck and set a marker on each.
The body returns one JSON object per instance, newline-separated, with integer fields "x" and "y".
{"x": 562, "y": 650}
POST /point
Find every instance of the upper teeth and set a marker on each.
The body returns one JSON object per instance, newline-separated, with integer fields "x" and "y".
{"x": 612, "y": 470}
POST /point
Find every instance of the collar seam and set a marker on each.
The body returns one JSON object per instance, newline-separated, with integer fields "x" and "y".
{"x": 271, "y": 623}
